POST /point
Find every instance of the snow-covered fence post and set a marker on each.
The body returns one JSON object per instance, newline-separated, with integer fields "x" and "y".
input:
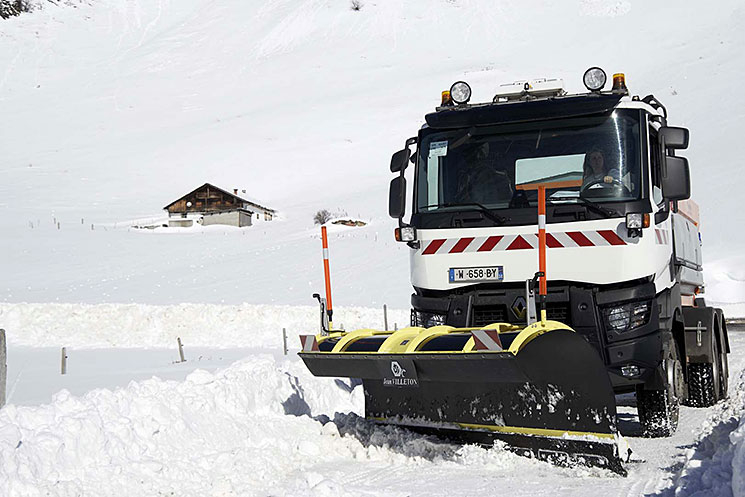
{"x": 284, "y": 340}
{"x": 180, "y": 349}
{"x": 63, "y": 361}
{"x": 3, "y": 367}
{"x": 385, "y": 317}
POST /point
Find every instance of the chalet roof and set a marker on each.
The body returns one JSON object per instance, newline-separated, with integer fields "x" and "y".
{"x": 210, "y": 185}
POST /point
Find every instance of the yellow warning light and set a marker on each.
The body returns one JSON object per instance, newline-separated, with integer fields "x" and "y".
{"x": 446, "y": 98}
{"x": 619, "y": 83}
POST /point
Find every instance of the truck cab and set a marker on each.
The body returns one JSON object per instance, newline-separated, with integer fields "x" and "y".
{"x": 623, "y": 246}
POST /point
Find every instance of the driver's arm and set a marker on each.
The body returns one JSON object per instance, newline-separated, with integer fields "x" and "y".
{"x": 612, "y": 175}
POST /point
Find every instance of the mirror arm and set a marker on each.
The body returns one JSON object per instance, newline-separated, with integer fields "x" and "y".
{"x": 403, "y": 198}
{"x": 409, "y": 142}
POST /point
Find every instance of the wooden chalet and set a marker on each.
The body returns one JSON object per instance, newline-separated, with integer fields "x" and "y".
{"x": 209, "y": 204}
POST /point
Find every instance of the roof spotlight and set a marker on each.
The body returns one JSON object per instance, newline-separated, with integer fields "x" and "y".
{"x": 594, "y": 79}
{"x": 460, "y": 92}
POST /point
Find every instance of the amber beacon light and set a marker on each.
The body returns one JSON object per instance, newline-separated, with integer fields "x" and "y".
{"x": 619, "y": 83}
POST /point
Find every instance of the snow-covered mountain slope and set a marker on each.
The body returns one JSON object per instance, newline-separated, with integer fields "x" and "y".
{"x": 113, "y": 109}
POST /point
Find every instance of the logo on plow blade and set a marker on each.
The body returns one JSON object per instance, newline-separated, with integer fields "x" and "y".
{"x": 404, "y": 374}
{"x": 397, "y": 370}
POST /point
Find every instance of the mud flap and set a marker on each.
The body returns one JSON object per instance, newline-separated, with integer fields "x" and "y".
{"x": 552, "y": 397}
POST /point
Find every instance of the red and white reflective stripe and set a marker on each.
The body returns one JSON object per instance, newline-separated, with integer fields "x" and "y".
{"x": 662, "y": 237}
{"x": 309, "y": 343}
{"x": 568, "y": 239}
{"x": 486, "y": 340}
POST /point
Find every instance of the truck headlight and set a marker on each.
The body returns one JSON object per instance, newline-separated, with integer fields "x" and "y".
{"x": 635, "y": 222}
{"x": 427, "y": 319}
{"x": 627, "y": 317}
{"x": 405, "y": 234}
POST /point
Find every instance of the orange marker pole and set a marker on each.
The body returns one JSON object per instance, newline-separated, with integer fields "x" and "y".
{"x": 543, "y": 287}
{"x": 327, "y": 274}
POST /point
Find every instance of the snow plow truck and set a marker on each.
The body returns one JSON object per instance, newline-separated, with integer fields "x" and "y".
{"x": 556, "y": 262}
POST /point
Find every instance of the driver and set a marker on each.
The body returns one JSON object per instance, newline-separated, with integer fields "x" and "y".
{"x": 596, "y": 170}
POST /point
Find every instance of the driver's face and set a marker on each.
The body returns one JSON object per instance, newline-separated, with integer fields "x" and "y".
{"x": 596, "y": 162}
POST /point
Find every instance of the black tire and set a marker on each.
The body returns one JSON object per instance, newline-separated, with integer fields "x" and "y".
{"x": 701, "y": 391}
{"x": 659, "y": 410}
{"x": 705, "y": 379}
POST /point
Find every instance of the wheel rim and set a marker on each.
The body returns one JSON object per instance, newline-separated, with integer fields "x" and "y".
{"x": 716, "y": 369}
{"x": 674, "y": 378}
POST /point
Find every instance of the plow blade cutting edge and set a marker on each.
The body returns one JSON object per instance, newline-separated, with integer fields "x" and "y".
{"x": 546, "y": 394}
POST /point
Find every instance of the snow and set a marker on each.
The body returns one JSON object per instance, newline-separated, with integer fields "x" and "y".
{"x": 247, "y": 420}
{"x": 737, "y": 438}
{"x": 112, "y": 109}
{"x": 725, "y": 285}
{"x": 205, "y": 325}
{"x": 716, "y": 466}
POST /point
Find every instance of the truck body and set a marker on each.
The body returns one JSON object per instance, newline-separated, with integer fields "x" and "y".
{"x": 624, "y": 264}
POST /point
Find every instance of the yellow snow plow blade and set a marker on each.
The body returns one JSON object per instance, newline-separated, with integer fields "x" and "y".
{"x": 542, "y": 389}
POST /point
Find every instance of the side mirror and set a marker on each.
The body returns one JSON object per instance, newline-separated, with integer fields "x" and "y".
{"x": 399, "y": 160}
{"x": 397, "y": 197}
{"x": 676, "y": 183}
{"x": 674, "y": 138}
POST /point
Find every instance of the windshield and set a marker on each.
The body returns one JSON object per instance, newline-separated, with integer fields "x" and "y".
{"x": 597, "y": 159}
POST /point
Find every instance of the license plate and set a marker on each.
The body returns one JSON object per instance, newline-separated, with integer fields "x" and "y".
{"x": 490, "y": 273}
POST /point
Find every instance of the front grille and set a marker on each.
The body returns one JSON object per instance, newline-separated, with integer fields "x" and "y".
{"x": 483, "y": 316}
{"x": 558, "y": 312}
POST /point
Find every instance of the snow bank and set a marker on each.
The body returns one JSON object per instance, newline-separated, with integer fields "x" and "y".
{"x": 725, "y": 285}
{"x": 158, "y": 437}
{"x": 716, "y": 466}
{"x": 737, "y": 438}
{"x": 256, "y": 428}
{"x": 138, "y": 325}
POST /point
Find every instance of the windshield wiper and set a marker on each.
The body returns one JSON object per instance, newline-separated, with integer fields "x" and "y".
{"x": 480, "y": 207}
{"x": 588, "y": 203}
{"x": 463, "y": 138}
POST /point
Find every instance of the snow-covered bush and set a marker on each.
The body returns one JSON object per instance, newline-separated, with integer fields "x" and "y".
{"x": 9, "y": 8}
{"x": 322, "y": 216}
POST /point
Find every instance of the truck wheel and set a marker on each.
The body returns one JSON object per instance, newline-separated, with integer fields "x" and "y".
{"x": 704, "y": 379}
{"x": 659, "y": 409}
